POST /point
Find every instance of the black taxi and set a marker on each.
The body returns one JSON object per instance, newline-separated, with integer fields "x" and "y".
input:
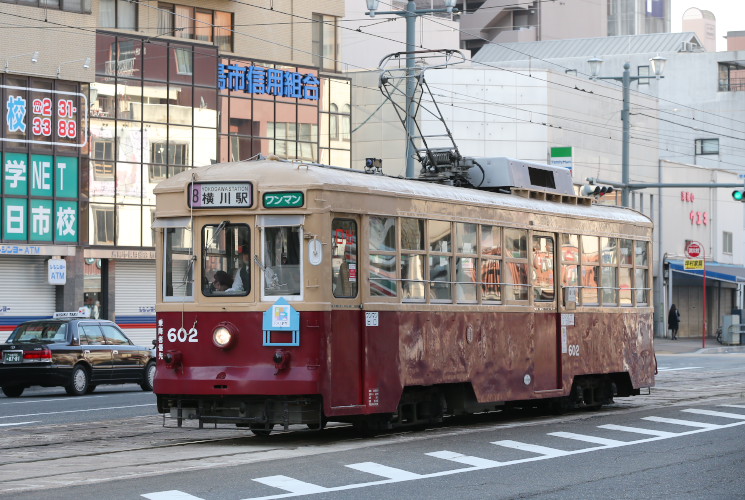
{"x": 72, "y": 352}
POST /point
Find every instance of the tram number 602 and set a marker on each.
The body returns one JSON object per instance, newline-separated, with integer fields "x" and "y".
{"x": 574, "y": 349}
{"x": 181, "y": 335}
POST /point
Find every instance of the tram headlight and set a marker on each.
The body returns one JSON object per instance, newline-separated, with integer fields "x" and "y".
{"x": 224, "y": 335}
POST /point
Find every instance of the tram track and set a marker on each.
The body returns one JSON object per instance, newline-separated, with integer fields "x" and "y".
{"x": 51, "y": 456}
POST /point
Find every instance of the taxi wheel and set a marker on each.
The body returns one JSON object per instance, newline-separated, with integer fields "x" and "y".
{"x": 149, "y": 377}
{"x": 79, "y": 381}
{"x": 13, "y": 391}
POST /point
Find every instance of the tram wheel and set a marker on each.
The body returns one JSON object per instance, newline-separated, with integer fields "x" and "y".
{"x": 261, "y": 430}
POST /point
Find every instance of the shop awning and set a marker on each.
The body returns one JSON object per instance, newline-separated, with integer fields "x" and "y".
{"x": 714, "y": 270}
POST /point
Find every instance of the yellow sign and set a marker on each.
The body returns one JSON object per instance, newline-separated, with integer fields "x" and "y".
{"x": 693, "y": 264}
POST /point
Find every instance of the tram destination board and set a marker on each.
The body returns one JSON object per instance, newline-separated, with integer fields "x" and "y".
{"x": 220, "y": 195}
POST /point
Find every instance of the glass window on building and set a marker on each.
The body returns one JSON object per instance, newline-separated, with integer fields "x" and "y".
{"x": 325, "y": 42}
{"x": 120, "y": 14}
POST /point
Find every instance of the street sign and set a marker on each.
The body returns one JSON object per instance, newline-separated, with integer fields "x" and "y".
{"x": 693, "y": 250}
{"x": 693, "y": 264}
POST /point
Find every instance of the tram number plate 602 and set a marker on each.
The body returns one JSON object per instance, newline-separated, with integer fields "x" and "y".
{"x": 574, "y": 349}
{"x": 182, "y": 335}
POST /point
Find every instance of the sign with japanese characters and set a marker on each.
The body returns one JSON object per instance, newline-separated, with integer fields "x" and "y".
{"x": 284, "y": 199}
{"x": 40, "y": 201}
{"x": 270, "y": 81}
{"x": 220, "y": 195}
{"x": 693, "y": 264}
{"x": 44, "y": 116}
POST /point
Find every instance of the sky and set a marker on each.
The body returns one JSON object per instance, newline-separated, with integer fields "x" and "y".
{"x": 730, "y": 16}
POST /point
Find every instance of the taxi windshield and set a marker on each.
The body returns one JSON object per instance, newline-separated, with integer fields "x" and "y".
{"x": 47, "y": 332}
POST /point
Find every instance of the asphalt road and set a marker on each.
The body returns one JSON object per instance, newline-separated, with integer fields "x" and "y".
{"x": 111, "y": 444}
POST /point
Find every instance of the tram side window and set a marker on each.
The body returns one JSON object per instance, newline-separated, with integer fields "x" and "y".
{"x": 413, "y": 255}
{"x": 590, "y": 260}
{"x": 178, "y": 265}
{"x": 569, "y": 261}
{"x": 440, "y": 258}
{"x": 382, "y": 239}
{"x": 641, "y": 272}
{"x": 543, "y": 268}
{"x": 465, "y": 262}
{"x": 608, "y": 271}
{"x": 226, "y": 259}
{"x": 516, "y": 263}
{"x": 625, "y": 271}
{"x": 491, "y": 268}
{"x": 344, "y": 258}
{"x": 282, "y": 272}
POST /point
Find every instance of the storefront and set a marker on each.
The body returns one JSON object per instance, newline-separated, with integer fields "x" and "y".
{"x": 43, "y": 144}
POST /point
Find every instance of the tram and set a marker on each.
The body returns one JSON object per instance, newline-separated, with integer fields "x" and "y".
{"x": 296, "y": 293}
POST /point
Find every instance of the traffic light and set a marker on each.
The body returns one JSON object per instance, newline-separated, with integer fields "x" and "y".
{"x": 738, "y": 195}
{"x": 595, "y": 190}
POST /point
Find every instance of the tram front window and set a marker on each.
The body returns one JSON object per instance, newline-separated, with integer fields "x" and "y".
{"x": 281, "y": 260}
{"x": 226, "y": 259}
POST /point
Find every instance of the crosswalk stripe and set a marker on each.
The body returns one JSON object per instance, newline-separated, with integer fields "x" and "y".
{"x": 588, "y": 439}
{"x": 463, "y": 459}
{"x": 712, "y": 413}
{"x": 170, "y": 495}
{"x": 733, "y": 406}
{"x": 689, "y": 423}
{"x": 637, "y": 430}
{"x": 533, "y": 448}
{"x": 19, "y": 423}
{"x": 291, "y": 485}
{"x": 384, "y": 471}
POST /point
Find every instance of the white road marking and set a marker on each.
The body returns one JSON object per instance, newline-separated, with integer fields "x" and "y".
{"x": 384, "y": 471}
{"x": 19, "y": 423}
{"x": 292, "y": 485}
{"x": 737, "y": 416}
{"x": 676, "y": 421}
{"x": 638, "y": 430}
{"x": 463, "y": 459}
{"x": 298, "y": 488}
{"x": 533, "y": 448}
{"x": 76, "y": 411}
{"x": 733, "y": 406}
{"x": 588, "y": 439}
{"x": 170, "y": 495}
{"x": 663, "y": 369}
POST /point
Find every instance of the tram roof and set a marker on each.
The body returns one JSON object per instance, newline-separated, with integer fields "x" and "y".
{"x": 295, "y": 175}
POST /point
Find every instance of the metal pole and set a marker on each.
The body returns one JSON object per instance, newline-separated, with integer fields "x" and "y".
{"x": 703, "y": 336}
{"x": 410, "y": 85}
{"x": 626, "y": 135}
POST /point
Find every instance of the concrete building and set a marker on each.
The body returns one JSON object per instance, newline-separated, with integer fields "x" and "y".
{"x": 502, "y": 21}
{"x": 704, "y": 24}
{"x": 95, "y": 117}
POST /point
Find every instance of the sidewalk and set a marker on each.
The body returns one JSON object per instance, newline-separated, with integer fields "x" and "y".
{"x": 693, "y": 345}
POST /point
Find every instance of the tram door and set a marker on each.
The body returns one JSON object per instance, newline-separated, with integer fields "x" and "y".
{"x": 547, "y": 367}
{"x": 346, "y": 343}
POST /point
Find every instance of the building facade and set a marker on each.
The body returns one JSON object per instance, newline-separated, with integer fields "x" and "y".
{"x": 163, "y": 88}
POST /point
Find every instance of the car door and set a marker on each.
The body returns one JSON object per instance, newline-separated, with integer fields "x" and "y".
{"x": 128, "y": 360}
{"x": 96, "y": 352}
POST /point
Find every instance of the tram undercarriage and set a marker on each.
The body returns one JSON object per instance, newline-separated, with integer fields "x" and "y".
{"x": 419, "y": 406}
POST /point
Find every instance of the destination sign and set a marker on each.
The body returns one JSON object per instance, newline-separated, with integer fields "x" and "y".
{"x": 220, "y": 195}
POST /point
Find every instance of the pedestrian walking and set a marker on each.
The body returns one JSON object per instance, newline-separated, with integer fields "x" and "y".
{"x": 673, "y": 320}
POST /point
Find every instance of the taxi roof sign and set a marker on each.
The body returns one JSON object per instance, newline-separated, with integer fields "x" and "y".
{"x": 70, "y": 314}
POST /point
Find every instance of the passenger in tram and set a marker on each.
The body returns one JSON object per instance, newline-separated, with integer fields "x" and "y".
{"x": 222, "y": 281}
{"x": 241, "y": 280}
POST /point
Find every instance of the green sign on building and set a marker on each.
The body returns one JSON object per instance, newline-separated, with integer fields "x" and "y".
{"x": 40, "y": 198}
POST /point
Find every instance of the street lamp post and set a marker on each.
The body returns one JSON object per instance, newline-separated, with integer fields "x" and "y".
{"x": 658, "y": 64}
{"x": 410, "y": 15}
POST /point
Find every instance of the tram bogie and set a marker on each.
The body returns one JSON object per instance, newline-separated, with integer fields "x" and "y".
{"x": 292, "y": 294}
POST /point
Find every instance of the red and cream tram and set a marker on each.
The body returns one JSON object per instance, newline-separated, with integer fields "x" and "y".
{"x": 293, "y": 293}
